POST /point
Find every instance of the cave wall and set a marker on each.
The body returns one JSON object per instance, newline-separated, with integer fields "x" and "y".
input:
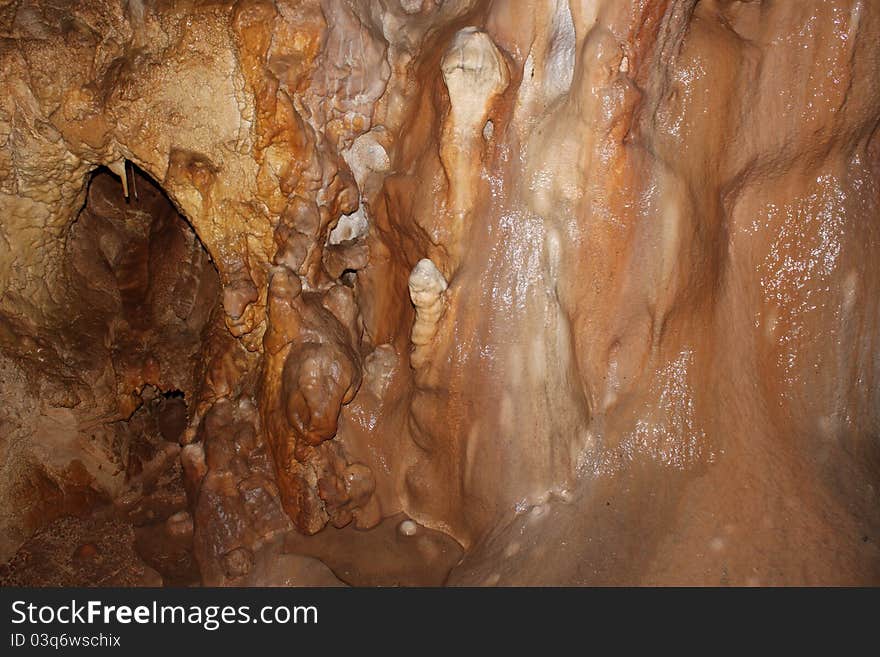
{"x": 136, "y": 294}
{"x": 594, "y": 271}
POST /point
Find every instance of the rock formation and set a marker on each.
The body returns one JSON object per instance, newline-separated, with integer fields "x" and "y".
{"x": 523, "y": 291}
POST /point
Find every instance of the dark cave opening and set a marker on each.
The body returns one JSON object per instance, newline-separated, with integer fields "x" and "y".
{"x": 141, "y": 296}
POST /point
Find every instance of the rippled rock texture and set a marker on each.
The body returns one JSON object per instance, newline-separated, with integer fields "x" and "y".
{"x": 506, "y": 292}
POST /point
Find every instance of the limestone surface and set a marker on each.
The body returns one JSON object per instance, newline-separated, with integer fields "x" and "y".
{"x": 527, "y": 292}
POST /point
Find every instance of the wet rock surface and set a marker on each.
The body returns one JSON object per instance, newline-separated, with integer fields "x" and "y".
{"x": 310, "y": 292}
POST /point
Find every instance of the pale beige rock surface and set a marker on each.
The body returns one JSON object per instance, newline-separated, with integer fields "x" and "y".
{"x": 644, "y": 351}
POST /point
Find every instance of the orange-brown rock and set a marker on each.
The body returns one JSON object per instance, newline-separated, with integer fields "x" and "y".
{"x": 588, "y": 287}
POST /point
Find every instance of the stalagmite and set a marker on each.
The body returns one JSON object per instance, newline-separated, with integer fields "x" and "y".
{"x": 426, "y": 289}
{"x": 423, "y": 292}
